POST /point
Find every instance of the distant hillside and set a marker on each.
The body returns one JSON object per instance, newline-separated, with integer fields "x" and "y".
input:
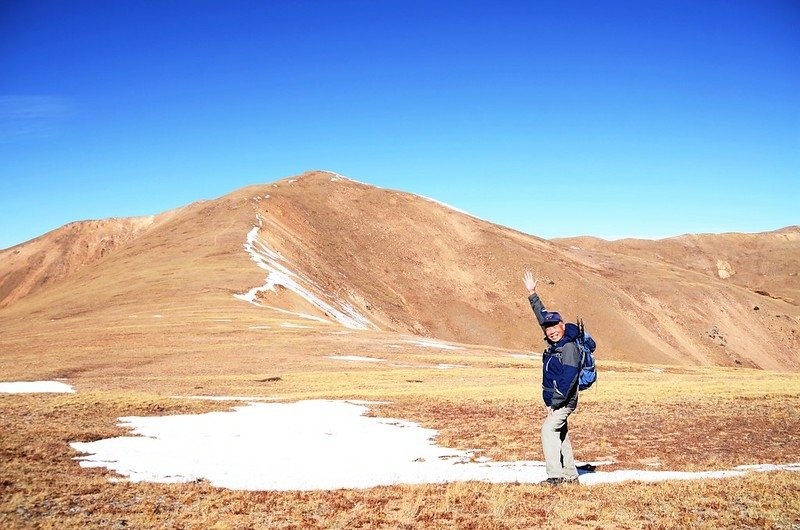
{"x": 355, "y": 255}
{"x": 32, "y": 266}
{"x": 767, "y": 263}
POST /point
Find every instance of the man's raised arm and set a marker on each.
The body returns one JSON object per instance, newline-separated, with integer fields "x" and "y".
{"x": 536, "y": 304}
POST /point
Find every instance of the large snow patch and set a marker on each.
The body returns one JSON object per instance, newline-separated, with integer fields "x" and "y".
{"x": 308, "y": 445}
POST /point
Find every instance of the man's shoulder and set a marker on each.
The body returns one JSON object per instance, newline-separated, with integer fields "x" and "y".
{"x": 570, "y": 350}
{"x": 570, "y": 346}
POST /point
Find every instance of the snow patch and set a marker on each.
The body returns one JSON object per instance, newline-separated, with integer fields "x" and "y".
{"x": 309, "y": 445}
{"x": 770, "y": 467}
{"x": 33, "y": 387}
{"x": 336, "y": 177}
{"x": 625, "y": 475}
{"x": 315, "y": 445}
{"x": 440, "y": 203}
{"x": 280, "y": 275}
{"x": 294, "y": 313}
{"x": 430, "y": 343}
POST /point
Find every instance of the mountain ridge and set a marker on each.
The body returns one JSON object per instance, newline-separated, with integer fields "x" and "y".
{"x": 740, "y": 258}
{"x": 413, "y": 266}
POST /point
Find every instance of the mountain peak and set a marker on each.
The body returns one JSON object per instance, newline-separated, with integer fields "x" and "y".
{"x": 333, "y": 251}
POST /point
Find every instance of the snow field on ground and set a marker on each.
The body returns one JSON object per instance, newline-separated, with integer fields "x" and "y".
{"x": 31, "y": 387}
{"x": 316, "y": 445}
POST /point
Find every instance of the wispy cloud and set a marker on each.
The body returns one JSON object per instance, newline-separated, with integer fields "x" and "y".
{"x": 29, "y": 117}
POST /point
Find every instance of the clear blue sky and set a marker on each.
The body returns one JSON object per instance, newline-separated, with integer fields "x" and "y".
{"x": 614, "y": 119}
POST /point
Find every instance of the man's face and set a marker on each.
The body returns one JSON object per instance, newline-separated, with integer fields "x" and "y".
{"x": 555, "y": 332}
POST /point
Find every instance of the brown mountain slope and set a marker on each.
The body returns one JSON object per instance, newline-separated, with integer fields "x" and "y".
{"x": 52, "y": 257}
{"x": 767, "y": 263}
{"x": 336, "y": 252}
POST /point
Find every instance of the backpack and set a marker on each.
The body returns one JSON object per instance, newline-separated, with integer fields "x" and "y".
{"x": 586, "y": 345}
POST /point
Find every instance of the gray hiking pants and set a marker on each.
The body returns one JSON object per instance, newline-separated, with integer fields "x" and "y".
{"x": 555, "y": 442}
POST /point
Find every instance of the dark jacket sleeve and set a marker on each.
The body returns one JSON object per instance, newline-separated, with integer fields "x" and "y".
{"x": 538, "y": 307}
{"x": 561, "y": 376}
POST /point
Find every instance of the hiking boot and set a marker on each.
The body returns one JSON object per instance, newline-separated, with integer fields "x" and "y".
{"x": 552, "y": 481}
{"x": 570, "y": 480}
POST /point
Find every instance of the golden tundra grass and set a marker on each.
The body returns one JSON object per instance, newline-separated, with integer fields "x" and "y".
{"x": 681, "y": 418}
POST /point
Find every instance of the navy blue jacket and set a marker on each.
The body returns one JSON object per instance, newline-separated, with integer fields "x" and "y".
{"x": 561, "y": 364}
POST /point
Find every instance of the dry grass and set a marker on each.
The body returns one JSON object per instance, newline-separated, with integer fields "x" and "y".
{"x": 718, "y": 434}
{"x": 636, "y": 416}
{"x": 42, "y": 487}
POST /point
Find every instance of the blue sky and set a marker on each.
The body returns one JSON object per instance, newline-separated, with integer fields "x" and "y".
{"x": 614, "y": 119}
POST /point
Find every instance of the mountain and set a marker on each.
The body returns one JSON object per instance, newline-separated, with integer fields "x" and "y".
{"x": 766, "y": 263}
{"x": 332, "y": 253}
{"x": 44, "y": 261}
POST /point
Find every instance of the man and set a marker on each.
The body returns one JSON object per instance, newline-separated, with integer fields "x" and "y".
{"x": 561, "y": 367}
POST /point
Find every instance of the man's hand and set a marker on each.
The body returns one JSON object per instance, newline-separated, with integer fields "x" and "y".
{"x": 549, "y": 411}
{"x": 530, "y": 282}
